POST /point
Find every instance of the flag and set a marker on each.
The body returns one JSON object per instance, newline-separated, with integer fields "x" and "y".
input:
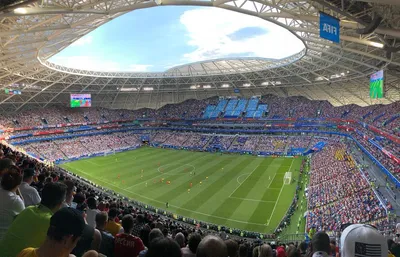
{"x": 367, "y": 250}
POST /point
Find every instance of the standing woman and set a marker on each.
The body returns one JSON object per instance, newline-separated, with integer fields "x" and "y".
{"x": 11, "y": 203}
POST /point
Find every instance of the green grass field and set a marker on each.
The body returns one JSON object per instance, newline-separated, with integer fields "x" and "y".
{"x": 241, "y": 191}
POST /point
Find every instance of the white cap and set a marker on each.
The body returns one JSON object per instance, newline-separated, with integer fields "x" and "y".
{"x": 362, "y": 240}
{"x": 320, "y": 254}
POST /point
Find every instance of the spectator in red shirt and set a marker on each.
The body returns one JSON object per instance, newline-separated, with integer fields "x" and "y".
{"x": 127, "y": 245}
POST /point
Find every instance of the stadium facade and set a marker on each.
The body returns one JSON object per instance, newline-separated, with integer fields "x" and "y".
{"x": 33, "y": 31}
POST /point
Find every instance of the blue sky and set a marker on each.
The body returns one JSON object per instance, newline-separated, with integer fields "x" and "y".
{"x": 156, "y": 39}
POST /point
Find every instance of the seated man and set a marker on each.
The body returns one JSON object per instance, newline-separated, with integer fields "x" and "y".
{"x": 107, "y": 240}
{"x": 66, "y": 227}
{"x": 29, "y": 193}
{"x": 30, "y": 227}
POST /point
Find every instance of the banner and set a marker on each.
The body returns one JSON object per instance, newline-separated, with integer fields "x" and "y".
{"x": 329, "y": 27}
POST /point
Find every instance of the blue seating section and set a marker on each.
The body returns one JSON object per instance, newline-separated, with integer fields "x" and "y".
{"x": 231, "y": 105}
{"x": 234, "y": 108}
{"x": 262, "y": 108}
{"x": 233, "y": 114}
{"x": 209, "y": 109}
{"x": 250, "y": 114}
{"x": 253, "y": 103}
{"x": 220, "y": 107}
{"x": 241, "y": 105}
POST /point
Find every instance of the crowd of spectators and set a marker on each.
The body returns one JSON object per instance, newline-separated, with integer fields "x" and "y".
{"x": 299, "y": 142}
{"x": 278, "y": 107}
{"x": 70, "y": 216}
{"x": 196, "y": 140}
{"x": 271, "y": 144}
{"x": 221, "y": 142}
{"x": 339, "y": 193}
{"x": 83, "y": 219}
{"x": 62, "y": 149}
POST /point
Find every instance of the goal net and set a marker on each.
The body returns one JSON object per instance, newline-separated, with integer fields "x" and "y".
{"x": 287, "y": 178}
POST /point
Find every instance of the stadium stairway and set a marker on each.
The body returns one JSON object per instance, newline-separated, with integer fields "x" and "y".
{"x": 378, "y": 117}
{"x": 208, "y": 142}
{"x": 309, "y": 142}
{"x": 159, "y": 139}
{"x": 36, "y": 151}
{"x": 390, "y": 120}
{"x": 287, "y": 145}
{"x": 84, "y": 146}
{"x": 234, "y": 140}
{"x": 59, "y": 148}
{"x": 186, "y": 139}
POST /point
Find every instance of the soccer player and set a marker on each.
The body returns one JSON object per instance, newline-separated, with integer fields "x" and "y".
{"x": 191, "y": 184}
{"x": 166, "y": 205}
{"x": 146, "y": 184}
{"x": 188, "y": 190}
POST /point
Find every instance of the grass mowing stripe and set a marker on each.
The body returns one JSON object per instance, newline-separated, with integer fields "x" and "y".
{"x": 150, "y": 172}
{"x": 139, "y": 163}
{"x": 122, "y": 166}
{"x": 166, "y": 174}
{"x": 240, "y": 184}
{"x": 243, "y": 190}
{"x": 208, "y": 169}
{"x": 263, "y": 183}
{"x": 209, "y": 202}
{"x": 208, "y": 190}
{"x": 230, "y": 205}
{"x": 157, "y": 202}
{"x": 260, "y": 214}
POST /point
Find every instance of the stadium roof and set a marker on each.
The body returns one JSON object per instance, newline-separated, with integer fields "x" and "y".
{"x": 33, "y": 31}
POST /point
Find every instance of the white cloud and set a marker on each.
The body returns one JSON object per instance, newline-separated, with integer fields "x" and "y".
{"x": 211, "y": 39}
{"x": 139, "y": 67}
{"x": 86, "y": 40}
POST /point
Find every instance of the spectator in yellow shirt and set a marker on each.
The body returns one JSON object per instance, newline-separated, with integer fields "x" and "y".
{"x": 30, "y": 227}
{"x": 113, "y": 227}
{"x": 66, "y": 227}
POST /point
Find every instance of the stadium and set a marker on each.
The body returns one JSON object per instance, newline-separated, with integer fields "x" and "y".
{"x": 282, "y": 147}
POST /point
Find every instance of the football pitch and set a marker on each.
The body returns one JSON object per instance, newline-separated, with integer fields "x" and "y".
{"x": 239, "y": 191}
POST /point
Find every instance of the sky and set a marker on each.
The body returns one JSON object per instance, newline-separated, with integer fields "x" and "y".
{"x": 159, "y": 38}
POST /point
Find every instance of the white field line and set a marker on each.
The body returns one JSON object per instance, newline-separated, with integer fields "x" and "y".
{"x": 277, "y": 200}
{"x": 252, "y": 200}
{"x": 240, "y": 177}
{"x": 244, "y": 180}
{"x": 176, "y": 207}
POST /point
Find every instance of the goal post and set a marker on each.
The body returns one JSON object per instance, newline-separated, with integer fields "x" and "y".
{"x": 287, "y": 179}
